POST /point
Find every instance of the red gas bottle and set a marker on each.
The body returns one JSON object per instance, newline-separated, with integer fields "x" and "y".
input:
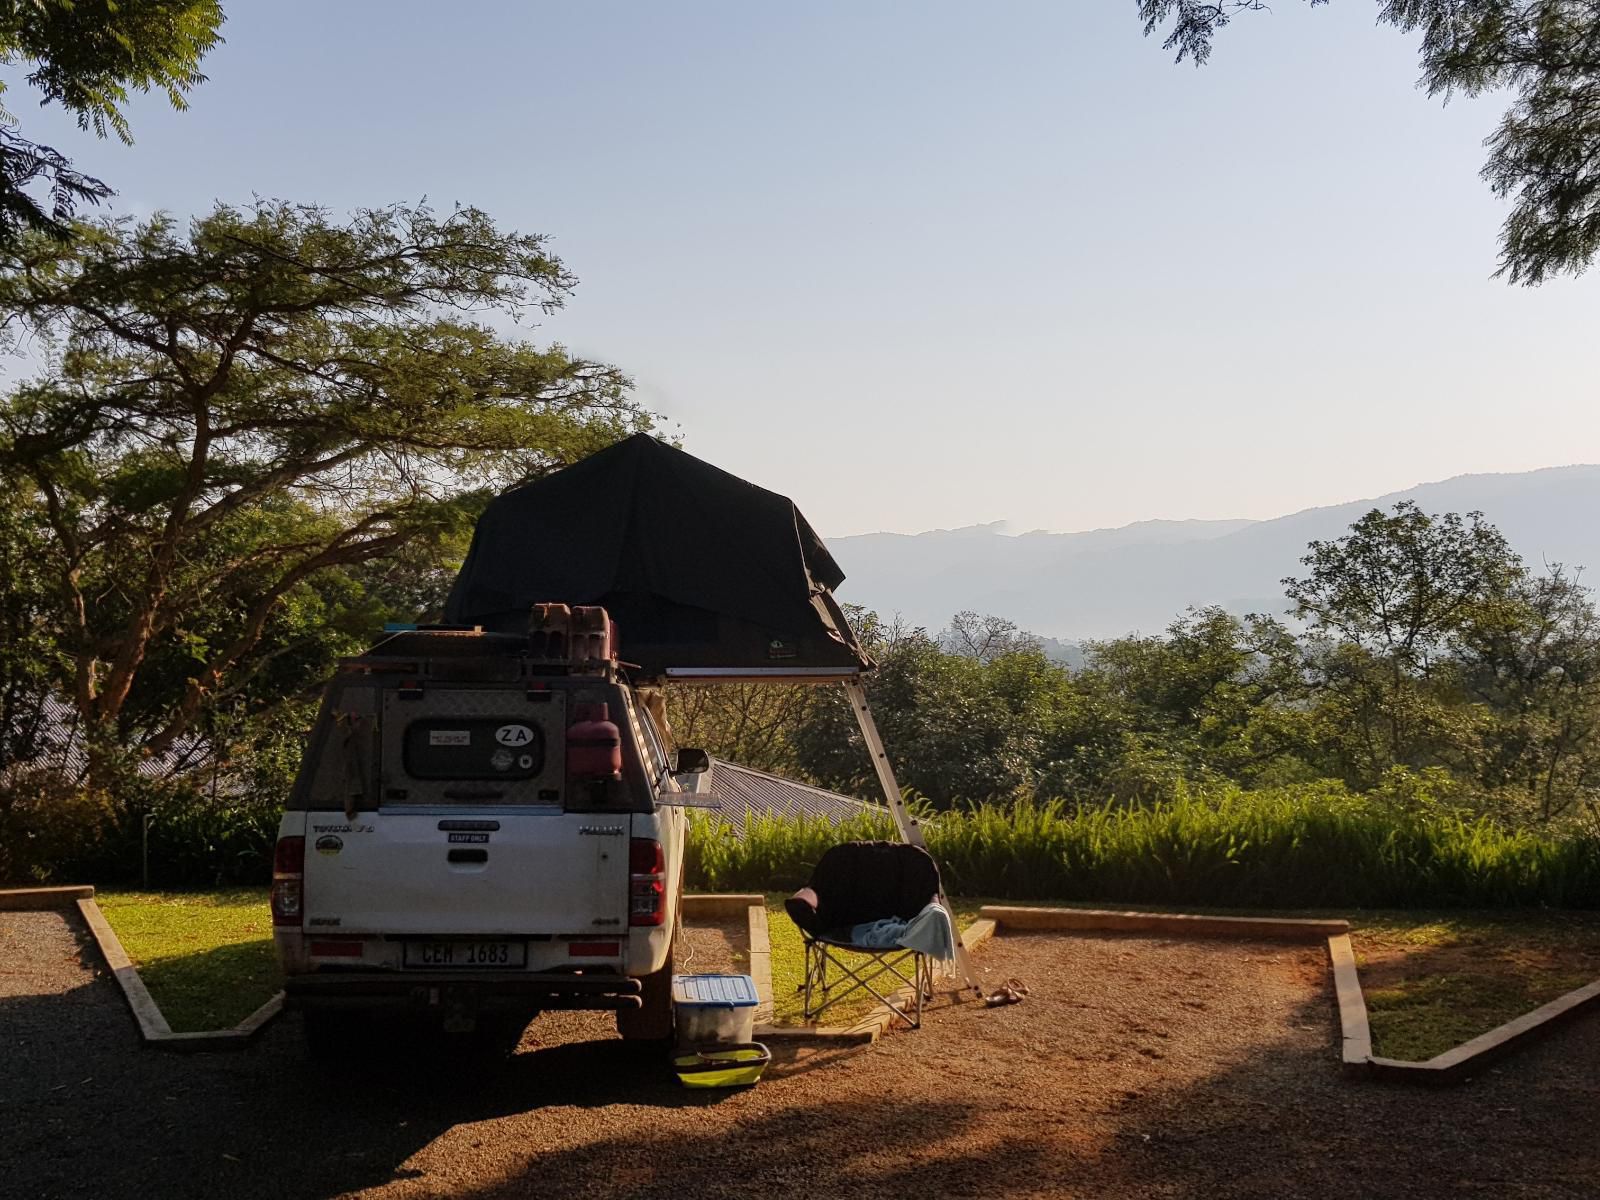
{"x": 594, "y": 744}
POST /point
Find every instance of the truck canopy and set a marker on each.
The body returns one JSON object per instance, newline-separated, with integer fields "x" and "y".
{"x": 706, "y": 575}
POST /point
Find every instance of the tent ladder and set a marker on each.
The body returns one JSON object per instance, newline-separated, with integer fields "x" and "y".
{"x": 904, "y": 821}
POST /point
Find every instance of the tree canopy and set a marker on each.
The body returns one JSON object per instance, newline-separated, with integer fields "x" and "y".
{"x": 242, "y": 428}
{"x": 89, "y": 56}
{"x": 1544, "y": 156}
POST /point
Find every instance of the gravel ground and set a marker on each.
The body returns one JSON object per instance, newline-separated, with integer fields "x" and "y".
{"x": 708, "y": 948}
{"x": 1137, "y": 1067}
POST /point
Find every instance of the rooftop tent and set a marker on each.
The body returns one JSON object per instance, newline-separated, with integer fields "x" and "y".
{"x": 706, "y": 576}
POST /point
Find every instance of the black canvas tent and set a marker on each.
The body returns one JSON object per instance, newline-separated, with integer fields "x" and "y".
{"x": 706, "y": 576}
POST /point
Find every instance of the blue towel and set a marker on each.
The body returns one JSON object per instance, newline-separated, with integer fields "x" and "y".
{"x": 878, "y": 935}
{"x": 929, "y": 932}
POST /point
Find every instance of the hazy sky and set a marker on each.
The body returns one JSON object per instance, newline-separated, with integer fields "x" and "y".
{"x": 933, "y": 264}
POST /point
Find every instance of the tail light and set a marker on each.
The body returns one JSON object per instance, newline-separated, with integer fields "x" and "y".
{"x": 647, "y": 882}
{"x": 288, "y": 880}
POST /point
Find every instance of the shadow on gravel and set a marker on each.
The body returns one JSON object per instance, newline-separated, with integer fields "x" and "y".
{"x": 85, "y": 1110}
{"x": 1287, "y": 1122}
{"x": 905, "y": 1148}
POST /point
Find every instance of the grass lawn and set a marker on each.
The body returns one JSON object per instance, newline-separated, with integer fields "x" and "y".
{"x": 788, "y": 967}
{"x": 1436, "y": 979}
{"x": 205, "y": 956}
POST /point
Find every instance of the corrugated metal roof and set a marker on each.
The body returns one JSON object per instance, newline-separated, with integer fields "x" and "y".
{"x": 740, "y": 790}
{"x": 62, "y": 746}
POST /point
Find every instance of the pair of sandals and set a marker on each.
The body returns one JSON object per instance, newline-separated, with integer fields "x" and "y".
{"x": 1010, "y": 992}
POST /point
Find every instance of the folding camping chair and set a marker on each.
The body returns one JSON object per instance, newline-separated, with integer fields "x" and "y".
{"x": 854, "y": 884}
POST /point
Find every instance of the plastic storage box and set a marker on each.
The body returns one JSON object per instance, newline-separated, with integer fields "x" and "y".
{"x": 714, "y": 1010}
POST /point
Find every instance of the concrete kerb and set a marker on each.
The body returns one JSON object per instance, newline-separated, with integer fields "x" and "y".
{"x": 153, "y": 1027}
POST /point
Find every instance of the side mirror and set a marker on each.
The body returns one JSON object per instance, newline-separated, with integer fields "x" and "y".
{"x": 692, "y": 762}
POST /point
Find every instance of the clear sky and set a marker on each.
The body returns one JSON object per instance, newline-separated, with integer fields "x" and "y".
{"x": 925, "y": 264}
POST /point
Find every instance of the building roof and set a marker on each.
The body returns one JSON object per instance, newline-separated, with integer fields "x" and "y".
{"x": 62, "y": 747}
{"x": 742, "y": 791}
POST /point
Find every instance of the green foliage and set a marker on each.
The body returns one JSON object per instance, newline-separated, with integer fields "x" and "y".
{"x": 964, "y": 729}
{"x": 29, "y": 658}
{"x": 89, "y": 56}
{"x": 1404, "y": 584}
{"x": 253, "y": 439}
{"x": 1307, "y": 846}
{"x": 749, "y": 723}
{"x": 55, "y": 831}
{"x": 1545, "y": 154}
{"x": 769, "y": 852}
{"x": 49, "y": 827}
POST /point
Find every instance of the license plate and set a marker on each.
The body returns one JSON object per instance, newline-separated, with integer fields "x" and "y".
{"x": 471, "y": 955}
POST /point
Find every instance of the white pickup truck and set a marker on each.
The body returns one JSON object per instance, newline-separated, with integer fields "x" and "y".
{"x": 484, "y": 826}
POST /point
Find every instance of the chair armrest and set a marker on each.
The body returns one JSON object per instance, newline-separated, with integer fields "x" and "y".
{"x": 802, "y": 909}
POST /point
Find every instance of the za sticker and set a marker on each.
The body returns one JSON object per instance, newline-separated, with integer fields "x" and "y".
{"x": 513, "y": 735}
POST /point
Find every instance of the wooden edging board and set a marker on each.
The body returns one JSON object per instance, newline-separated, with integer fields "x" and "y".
{"x": 1455, "y": 1065}
{"x": 26, "y": 899}
{"x": 1176, "y": 924}
{"x": 153, "y": 1027}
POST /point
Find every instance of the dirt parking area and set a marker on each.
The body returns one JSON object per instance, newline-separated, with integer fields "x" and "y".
{"x": 1137, "y": 1067}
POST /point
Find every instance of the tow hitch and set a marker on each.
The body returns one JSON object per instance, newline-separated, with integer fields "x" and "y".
{"x": 458, "y": 1005}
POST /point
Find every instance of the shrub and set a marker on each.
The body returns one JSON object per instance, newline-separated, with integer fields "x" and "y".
{"x": 48, "y": 825}
{"x": 53, "y": 830}
{"x": 1304, "y": 846}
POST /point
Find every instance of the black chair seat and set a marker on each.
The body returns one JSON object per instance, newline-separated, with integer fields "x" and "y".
{"x": 857, "y": 883}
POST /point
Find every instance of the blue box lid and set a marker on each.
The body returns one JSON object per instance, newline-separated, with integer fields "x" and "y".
{"x": 714, "y": 991}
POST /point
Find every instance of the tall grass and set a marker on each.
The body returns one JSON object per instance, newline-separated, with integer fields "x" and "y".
{"x": 1300, "y": 847}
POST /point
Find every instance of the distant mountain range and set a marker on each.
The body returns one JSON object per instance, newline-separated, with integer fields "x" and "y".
{"x": 1108, "y": 582}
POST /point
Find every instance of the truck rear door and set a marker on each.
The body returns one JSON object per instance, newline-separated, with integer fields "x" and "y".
{"x": 471, "y": 835}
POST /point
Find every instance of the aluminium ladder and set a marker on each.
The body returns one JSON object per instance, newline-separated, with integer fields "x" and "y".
{"x": 904, "y": 819}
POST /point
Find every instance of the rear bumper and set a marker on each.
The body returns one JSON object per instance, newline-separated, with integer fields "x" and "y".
{"x": 435, "y": 989}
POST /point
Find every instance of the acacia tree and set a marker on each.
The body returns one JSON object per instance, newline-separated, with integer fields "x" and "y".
{"x": 87, "y": 56}
{"x": 1545, "y": 153}
{"x": 228, "y": 413}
